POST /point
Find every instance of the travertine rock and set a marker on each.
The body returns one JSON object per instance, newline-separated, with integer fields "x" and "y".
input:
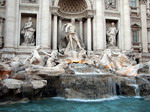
{"x": 38, "y": 84}
{"x": 12, "y": 83}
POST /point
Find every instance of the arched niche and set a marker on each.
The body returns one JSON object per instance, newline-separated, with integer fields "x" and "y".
{"x": 56, "y": 2}
{"x": 63, "y": 11}
{"x": 72, "y": 8}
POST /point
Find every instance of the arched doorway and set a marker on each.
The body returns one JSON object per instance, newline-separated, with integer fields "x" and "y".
{"x": 63, "y": 11}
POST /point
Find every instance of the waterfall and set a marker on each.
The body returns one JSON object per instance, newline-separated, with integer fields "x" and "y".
{"x": 111, "y": 87}
{"x": 130, "y": 81}
{"x": 136, "y": 89}
{"x": 83, "y": 69}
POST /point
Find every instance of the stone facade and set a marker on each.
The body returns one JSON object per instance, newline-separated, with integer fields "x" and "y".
{"x": 93, "y": 18}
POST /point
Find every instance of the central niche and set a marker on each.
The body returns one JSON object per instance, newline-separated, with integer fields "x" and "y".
{"x": 72, "y": 6}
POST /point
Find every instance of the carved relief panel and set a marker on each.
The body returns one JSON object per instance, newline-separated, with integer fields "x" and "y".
{"x": 111, "y": 4}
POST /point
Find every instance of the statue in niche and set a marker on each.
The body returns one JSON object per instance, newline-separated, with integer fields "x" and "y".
{"x": 110, "y": 4}
{"x": 28, "y": 33}
{"x": 73, "y": 41}
{"x": 111, "y": 35}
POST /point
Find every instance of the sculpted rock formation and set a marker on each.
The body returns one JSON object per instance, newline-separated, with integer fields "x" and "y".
{"x": 74, "y": 75}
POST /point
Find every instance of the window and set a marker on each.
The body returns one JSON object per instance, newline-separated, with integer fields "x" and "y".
{"x": 133, "y": 3}
{"x": 149, "y": 3}
{"x": 135, "y": 35}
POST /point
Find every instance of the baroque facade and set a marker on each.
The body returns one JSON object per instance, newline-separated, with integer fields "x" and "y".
{"x": 25, "y": 24}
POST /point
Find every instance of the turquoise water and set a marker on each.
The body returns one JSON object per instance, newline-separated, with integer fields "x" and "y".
{"x": 61, "y": 105}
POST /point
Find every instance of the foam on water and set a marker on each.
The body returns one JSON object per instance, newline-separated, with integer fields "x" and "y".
{"x": 95, "y": 100}
{"x": 83, "y": 69}
{"x": 58, "y": 104}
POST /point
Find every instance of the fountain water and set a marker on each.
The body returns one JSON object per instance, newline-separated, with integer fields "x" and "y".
{"x": 84, "y": 69}
{"x": 136, "y": 89}
{"x": 132, "y": 83}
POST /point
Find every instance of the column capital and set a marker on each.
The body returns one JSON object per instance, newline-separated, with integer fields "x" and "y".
{"x": 90, "y": 13}
{"x": 89, "y": 16}
{"x": 143, "y": 2}
{"x": 55, "y": 14}
{"x": 54, "y": 10}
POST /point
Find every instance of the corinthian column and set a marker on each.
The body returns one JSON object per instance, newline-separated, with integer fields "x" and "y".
{"x": 55, "y": 33}
{"x": 45, "y": 41}
{"x": 100, "y": 37}
{"x": 10, "y": 23}
{"x": 81, "y": 29}
{"x": 60, "y": 30}
{"x": 127, "y": 25}
{"x": 89, "y": 34}
{"x": 144, "y": 25}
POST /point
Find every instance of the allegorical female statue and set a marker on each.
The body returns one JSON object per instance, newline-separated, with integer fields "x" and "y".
{"x": 111, "y": 34}
{"x": 28, "y": 32}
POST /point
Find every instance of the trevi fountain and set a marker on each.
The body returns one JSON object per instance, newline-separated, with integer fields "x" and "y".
{"x": 73, "y": 73}
{"x": 73, "y": 78}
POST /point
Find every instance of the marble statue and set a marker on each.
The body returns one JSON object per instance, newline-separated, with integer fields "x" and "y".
{"x": 130, "y": 70}
{"x": 51, "y": 59}
{"x": 106, "y": 60}
{"x": 118, "y": 63}
{"x": 15, "y": 64}
{"x": 121, "y": 60}
{"x": 93, "y": 60}
{"x": 71, "y": 36}
{"x": 28, "y": 32}
{"x": 35, "y": 58}
{"x": 111, "y": 34}
{"x": 38, "y": 66}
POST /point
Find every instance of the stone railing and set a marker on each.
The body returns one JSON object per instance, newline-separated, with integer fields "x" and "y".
{"x": 135, "y": 10}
